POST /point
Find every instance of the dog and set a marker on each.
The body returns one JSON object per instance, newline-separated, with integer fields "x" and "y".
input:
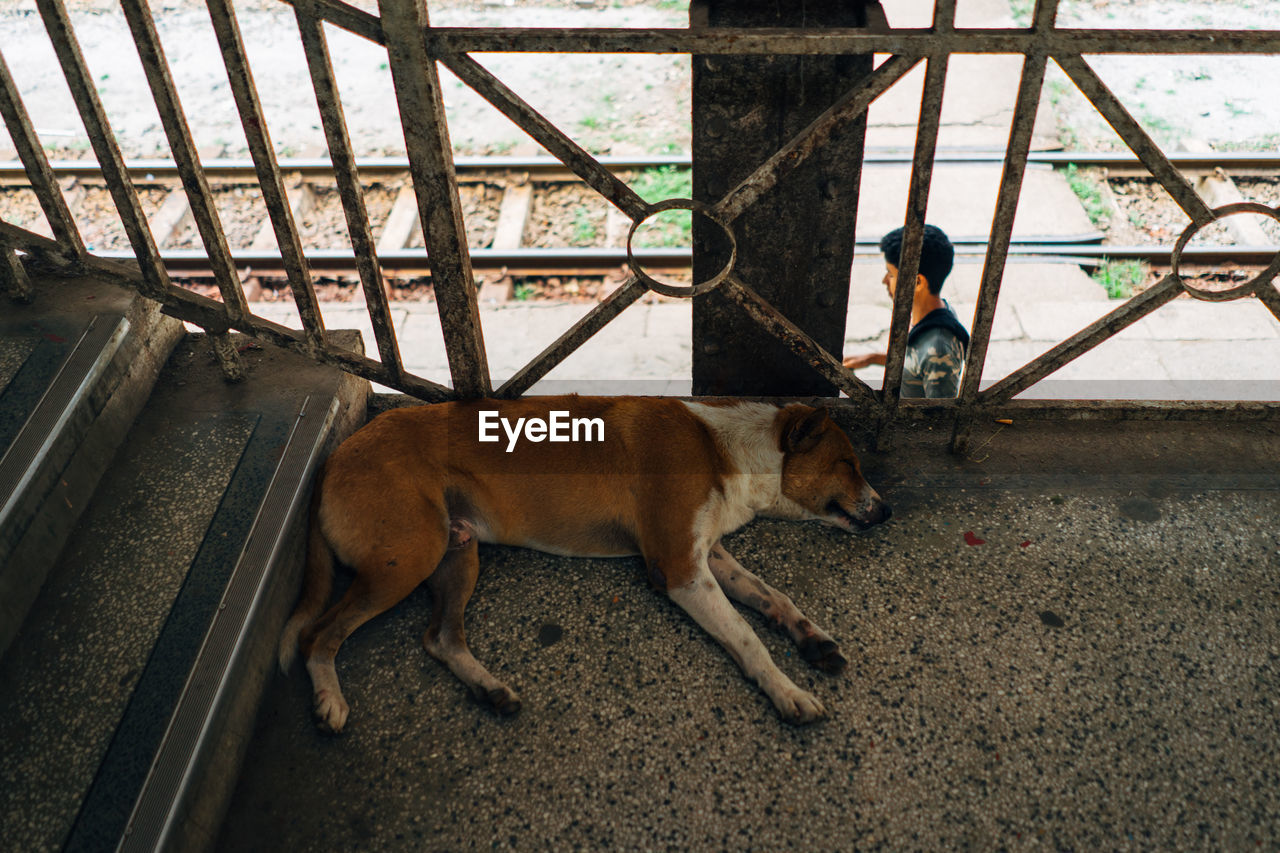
{"x": 409, "y": 496}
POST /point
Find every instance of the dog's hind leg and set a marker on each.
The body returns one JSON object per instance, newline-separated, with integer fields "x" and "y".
{"x": 384, "y": 577}
{"x": 815, "y": 645}
{"x": 446, "y": 640}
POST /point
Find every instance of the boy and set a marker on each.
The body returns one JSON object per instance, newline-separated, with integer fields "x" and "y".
{"x": 937, "y": 341}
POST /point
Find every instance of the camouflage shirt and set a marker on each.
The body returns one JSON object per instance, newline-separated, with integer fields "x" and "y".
{"x": 935, "y": 356}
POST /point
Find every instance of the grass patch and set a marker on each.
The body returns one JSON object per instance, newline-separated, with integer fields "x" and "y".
{"x": 664, "y": 182}
{"x": 1121, "y": 278}
{"x": 584, "y": 227}
{"x": 666, "y": 229}
{"x": 1091, "y": 196}
{"x": 671, "y": 227}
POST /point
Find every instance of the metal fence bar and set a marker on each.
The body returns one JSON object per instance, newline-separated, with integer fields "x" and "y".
{"x": 578, "y": 334}
{"x": 209, "y": 313}
{"x": 913, "y": 42}
{"x": 913, "y": 229}
{"x": 1136, "y": 138}
{"x": 1270, "y": 297}
{"x": 348, "y": 180}
{"x": 349, "y": 18}
{"x": 533, "y": 123}
{"x": 155, "y": 280}
{"x": 934, "y": 410}
{"x": 50, "y": 251}
{"x": 13, "y": 275}
{"x": 183, "y": 149}
{"x": 1015, "y": 166}
{"x": 1081, "y": 342}
{"x": 772, "y": 321}
{"x": 848, "y": 108}
{"x": 36, "y": 163}
{"x": 264, "y": 160}
{"x": 426, "y": 137}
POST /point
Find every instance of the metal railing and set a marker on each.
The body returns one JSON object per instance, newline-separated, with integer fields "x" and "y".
{"x": 414, "y": 47}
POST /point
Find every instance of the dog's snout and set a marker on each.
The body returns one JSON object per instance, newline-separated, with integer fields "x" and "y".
{"x": 879, "y": 513}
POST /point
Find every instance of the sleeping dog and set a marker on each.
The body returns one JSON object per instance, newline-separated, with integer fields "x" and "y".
{"x": 409, "y": 496}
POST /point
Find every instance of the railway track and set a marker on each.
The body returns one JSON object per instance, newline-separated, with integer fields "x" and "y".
{"x": 506, "y": 201}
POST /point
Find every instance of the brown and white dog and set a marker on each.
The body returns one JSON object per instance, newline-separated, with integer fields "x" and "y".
{"x": 408, "y": 497}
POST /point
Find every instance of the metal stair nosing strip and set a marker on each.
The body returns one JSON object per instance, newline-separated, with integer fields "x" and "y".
{"x": 73, "y": 382}
{"x": 156, "y": 819}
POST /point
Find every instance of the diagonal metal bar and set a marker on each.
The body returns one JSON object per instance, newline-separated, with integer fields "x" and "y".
{"x": 183, "y": 149}
{"x": 1081, "y": 342}
{"x": 772, "y": 321}
{"x": 913, "y": 231}
{"x": 270, "y": 181}
{"x": 1270, "y": 297}
{"x": 45, "y": 250}
{"x": 349, "y": 18}
{"x": 578, "y": 334}
{"x": 348, "y": 179}
{"x": 1136, "y": 138}
{"x": 813, "y": 137}
{"x": 36, "y": 163}
{"x": 533, "y": 123}
{"x": 155, "y": 280}
{"x": 426, "y": 137}
{"x": 1015, "y": 167}
{"x": 209, "y": 313}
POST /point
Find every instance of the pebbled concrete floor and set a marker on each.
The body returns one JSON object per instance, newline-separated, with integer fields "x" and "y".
{"x": 1068, "y": 639}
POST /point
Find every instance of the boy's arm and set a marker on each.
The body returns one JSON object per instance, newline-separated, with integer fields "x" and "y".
{"x": 853, "y": 362}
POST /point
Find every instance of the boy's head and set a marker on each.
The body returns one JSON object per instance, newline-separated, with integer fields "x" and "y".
{"x": 936, "y": 255}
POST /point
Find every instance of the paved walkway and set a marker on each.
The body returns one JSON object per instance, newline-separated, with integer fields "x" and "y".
{"x": 647, "y": 349}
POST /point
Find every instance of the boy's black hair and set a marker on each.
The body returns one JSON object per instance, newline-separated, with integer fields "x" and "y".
{"x": 937, "y": 255}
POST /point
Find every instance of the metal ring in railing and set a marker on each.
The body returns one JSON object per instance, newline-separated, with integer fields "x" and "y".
{"x": 672, "y": 289}
{"x": 1249, "y": 287}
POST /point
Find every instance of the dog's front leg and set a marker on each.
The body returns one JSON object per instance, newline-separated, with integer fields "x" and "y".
{"x": 703, "y": 599}
{"x": 815, "y": 645}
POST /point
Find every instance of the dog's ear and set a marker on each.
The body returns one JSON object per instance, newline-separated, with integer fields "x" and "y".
{"x": 803, "y": 429}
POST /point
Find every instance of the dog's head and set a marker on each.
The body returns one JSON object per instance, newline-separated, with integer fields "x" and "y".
{"x": 821, "y": 474}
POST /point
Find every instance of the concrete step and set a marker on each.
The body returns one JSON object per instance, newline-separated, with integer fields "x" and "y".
{"x": 128, "y": 693}
{"x": 76, "y": 366}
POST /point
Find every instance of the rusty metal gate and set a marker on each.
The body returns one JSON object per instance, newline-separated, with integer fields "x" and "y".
{"x": 414, "y": 47}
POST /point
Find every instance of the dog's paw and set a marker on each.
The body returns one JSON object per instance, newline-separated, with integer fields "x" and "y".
{"x": 799, "y": 708}
{"x": 502, "y": 699}
{"x": 824, "y": 654}
{"x": 331, "y": 711}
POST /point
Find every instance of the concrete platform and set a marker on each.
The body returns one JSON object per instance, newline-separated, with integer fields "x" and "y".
{"x": 1099, "y": 670}
{"x": 962, "y": 201}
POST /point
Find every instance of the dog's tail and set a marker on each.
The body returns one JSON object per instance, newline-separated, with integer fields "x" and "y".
{"x": 317, "y": 585}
